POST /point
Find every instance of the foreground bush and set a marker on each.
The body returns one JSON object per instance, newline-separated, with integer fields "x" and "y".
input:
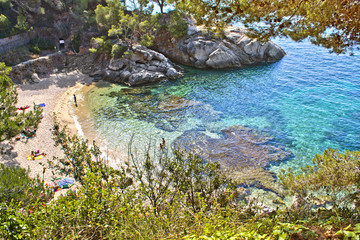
{"x": 175, "y": 196}
{"x": 17, "y": 186}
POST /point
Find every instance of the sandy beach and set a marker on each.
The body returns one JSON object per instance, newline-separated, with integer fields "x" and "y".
{"x": 56, "y": 92}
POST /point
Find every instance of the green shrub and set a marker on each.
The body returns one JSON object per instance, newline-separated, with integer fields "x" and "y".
{"x": 76, "y": 41}
{"x": 16, "y": 185}
{"x": 21, "y": 25}
{"x": 147, "y": 40}
{"x": 35, "y": 49}
{"x": 5, "y": 26}
{"x": 5, "y": 4}
{"x": 43, "y": 44}
{"x": 118, "y": 51}
{"x": 101, "y": 45}
{"x": 177, "y": 25}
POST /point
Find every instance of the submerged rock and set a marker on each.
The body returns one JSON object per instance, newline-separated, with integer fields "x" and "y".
{"x": 242, "y": 152}
{"x": 167, "y": 112}
{"x": 175, "y": 112}
{"x": 176, "y": 103}
{"x": 202, "y": 50}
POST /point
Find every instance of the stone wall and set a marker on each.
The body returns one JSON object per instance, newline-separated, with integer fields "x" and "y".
{"x": 9, "y": 43}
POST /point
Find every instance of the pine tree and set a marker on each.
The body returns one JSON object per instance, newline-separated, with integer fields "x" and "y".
{"x": 331, "y": 23}
{"x": 12, "y": 122}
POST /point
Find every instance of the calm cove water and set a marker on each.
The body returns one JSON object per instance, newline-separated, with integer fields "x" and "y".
{"x": 308, "y": 101}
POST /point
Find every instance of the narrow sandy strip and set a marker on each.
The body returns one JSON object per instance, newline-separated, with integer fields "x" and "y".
{"x": 57, "y": 93}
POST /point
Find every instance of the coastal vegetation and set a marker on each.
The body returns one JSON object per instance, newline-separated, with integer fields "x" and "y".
{"x": 329, "y": 23}
{"x": 178, "y": 196}
{"x": 174, "y": 194}
{"x": 13, "y": 121}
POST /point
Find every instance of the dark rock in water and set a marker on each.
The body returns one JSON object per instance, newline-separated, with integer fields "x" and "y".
{"x": 189, "y": 139}
{"x": 241, "y": 151}
{"x": 165, "y": 126}
{"x": 133, "y": 94}
{"x": 135, "y": 91}
{"x": 177, "y": 103}
{"x": 178, "y": 107}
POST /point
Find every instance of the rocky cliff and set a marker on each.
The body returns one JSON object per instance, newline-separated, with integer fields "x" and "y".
{"x": 202, "y": 50}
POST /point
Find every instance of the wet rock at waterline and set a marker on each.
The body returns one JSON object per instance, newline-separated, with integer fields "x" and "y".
{"x": 140, "y": 67}
{"x": 242, "y": 152}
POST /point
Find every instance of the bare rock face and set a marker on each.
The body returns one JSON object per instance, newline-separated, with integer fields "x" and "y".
{"x": 140, "y": 67}
{"x": 201, "y": 50}
{"x": 32, "y": 70}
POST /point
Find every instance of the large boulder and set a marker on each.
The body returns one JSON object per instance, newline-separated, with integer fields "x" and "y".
{"x": 141, "y": 66}
{"x": 202, "y": 50}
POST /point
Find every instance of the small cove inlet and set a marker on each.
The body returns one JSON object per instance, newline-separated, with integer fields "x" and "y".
{"x": 300, "y": 106}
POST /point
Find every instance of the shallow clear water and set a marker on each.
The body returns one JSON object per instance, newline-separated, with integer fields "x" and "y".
{"x": 308, "y": 101}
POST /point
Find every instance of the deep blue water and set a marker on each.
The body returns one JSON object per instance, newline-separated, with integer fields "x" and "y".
{"x": 308, "y": 101}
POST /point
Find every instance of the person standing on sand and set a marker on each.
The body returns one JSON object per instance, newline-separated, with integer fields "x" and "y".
{"x": 75, "y": 101}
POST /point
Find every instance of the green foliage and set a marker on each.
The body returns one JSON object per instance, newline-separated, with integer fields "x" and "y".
{"x": 330, "y": 23}
{"x": 76, "y": 40}
{"x": 348, "y": 234}
{"x": 177, "y": 25}
{"x": 101, "y": 45}
{"x": 5, "y": 26}
{"x": 117, "y": 209}
{"x": 22, "y": 24}
{"x": 118, "y": 51}
{"x": 162, "y": 177}
{"x": 11, "y": 225}
{"x": 146, "y": 40}
{"x": 5, "y": 4}
{"x": 17, "y": 186}
{"x": 285, "y": 230}
{"x": 77, "y": 158}
{"x": 108, "y": 15}
{"x": 131, "y": 28}
{"x": 170, "y": 196}
{"x": 334, "y": 177}
{"x": 43, "y": 44}
{"x": 35, "y": 49}
{"x": 90, "y": 20}
{"x": 12, "y": 121}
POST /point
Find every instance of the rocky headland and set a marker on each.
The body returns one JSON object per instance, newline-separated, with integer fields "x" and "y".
{"x": 202, "y": 49}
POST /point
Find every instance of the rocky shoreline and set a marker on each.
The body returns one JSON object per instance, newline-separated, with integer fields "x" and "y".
{"x": 143, "y": 65}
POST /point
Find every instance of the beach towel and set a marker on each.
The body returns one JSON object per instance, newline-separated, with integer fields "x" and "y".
{"x": 65, "y": 183}
{"x": 23, "y": 108}
{"x": 35, "y": 158}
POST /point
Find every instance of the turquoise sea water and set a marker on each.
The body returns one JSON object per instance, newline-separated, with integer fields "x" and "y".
{"x": 308, "y": 101}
